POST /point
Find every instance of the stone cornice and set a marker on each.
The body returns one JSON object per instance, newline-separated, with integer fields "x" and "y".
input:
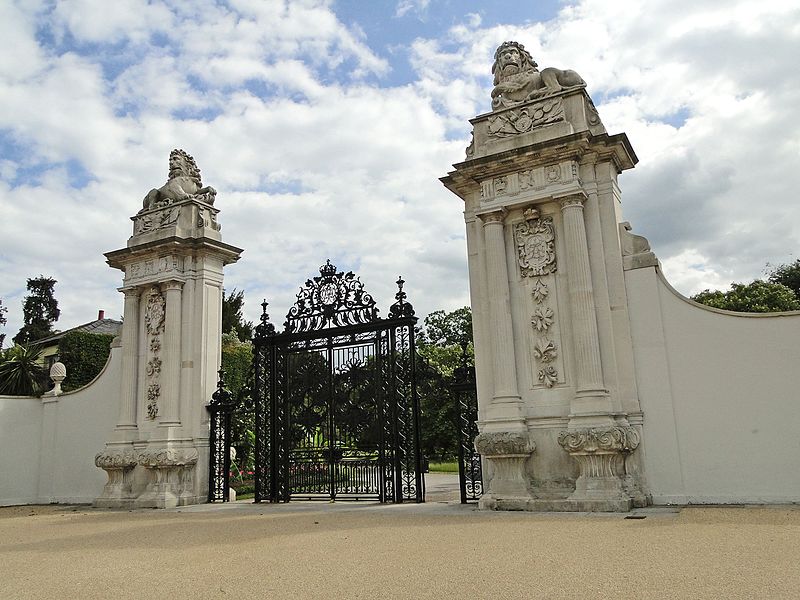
{"x": 174, "y": 245}
{"x": 467, "y": 175}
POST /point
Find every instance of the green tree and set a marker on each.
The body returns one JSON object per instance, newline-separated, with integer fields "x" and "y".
{"x": 439, "y": 345}
{"x": 21, "y": 374}
{"x": 39, "y": 309}
{"x": 788, "y": 275}
{"x": 3, "y": 321}
{"x": 232, "y": 319}
{"x": 758, "y": 296}
{"x": 84, "y": 355}
{"x": 237, "y": 361}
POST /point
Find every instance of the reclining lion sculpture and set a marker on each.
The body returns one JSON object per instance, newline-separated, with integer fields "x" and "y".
{"x": 517, "y": 80}
{"x": 183, "y": 183}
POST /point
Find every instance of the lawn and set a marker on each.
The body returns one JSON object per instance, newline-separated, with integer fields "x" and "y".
{"x": 443, "y": 467}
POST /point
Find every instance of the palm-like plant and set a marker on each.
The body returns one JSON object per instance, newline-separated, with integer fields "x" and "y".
{"x": 20, "y": 372}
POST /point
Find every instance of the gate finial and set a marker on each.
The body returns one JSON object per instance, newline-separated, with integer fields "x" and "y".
{"x": 401, "y": 308}
{"x": 222, "y": 396}
{"x": 264, "y": 328}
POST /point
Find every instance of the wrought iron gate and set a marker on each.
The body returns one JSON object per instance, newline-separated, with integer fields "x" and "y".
{"x": 335, "y": 394}
{"x": 470, "y": 473}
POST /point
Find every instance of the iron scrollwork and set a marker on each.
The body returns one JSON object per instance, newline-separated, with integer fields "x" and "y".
{"x": 334, "y": 299}
{"x": 470, "y": 473}
{"x": 219, "y": 464}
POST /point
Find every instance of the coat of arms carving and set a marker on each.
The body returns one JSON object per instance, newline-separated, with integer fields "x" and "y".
{"x": 535, "y": 240}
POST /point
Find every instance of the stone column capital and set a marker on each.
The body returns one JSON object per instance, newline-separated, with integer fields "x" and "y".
{"x": 132, "y": 292}
{"x": 496, "y": 217}
{"x": 172, "y": 284}
{"x": 576, "y": 200}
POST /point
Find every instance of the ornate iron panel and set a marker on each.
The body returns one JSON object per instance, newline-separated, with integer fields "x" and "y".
{"x": 337, "y": 413}
{"x": 219, "y": 464}
{"x": 470, "y": 473}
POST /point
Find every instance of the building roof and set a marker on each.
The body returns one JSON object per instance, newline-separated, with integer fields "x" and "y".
{"x": 99, "y": 326}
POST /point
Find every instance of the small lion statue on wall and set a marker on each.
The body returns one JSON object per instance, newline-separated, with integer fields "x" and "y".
{"x": 183, "y": 183}
{"x": 516, "y": 78}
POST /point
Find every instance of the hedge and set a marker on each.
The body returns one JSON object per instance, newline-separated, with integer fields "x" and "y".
{"x": 84, "y": 355}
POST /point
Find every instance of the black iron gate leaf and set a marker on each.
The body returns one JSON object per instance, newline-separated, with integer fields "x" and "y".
{"x": 337, "y": 413}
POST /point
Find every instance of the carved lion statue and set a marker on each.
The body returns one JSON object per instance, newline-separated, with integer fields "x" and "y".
{"x": 516, "y": 78}
{"x": 183, "y": 183}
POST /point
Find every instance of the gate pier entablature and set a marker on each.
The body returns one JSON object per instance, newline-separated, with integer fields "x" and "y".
{"x": 173, "y": 268}
{"x": 554, "y": 359}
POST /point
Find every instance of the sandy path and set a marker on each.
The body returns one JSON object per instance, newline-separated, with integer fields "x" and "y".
{"x": 436, "y": 550}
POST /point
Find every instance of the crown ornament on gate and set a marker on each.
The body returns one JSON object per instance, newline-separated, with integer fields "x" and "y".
{"x": 334, "y": 299}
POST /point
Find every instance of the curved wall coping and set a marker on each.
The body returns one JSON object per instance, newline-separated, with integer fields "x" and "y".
{"x": 720, "y": 311}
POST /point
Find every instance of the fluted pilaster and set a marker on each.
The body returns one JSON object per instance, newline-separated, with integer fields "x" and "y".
{"x": 130, "y": 352}
{"x": 502, "y": 335}
{"x": 588, "y": 367}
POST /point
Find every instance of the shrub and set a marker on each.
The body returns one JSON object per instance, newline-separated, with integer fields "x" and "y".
{"x": 20, "y": 372}
{"x": 758, "y": 296}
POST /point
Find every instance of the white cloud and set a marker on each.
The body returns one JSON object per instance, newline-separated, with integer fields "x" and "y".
{"x": 98, "y": 21}
{"x": 312, "y": 160}
{"x": 418, "y": 7}
{"x": 705, "y": 94}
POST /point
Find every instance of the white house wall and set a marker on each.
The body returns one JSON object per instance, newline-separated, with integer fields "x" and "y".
{"x": 719, "y": 391}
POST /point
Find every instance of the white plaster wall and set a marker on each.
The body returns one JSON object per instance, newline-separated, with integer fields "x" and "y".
{"x": 47, "y": 445}
{"x": 20, "y": 436}
{"x": 720, "y": 392}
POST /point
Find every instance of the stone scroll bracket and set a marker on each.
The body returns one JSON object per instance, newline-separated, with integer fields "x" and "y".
{"x": 118, "y": 462}
{"x": 507, "y": 453}
{"x": 601, "y": 453}
{"x": 170, "y": 473}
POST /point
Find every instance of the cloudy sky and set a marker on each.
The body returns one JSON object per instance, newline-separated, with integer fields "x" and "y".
{"x": 324, "y": 126}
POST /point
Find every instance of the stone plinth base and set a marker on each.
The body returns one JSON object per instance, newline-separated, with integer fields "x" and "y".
{"x": 488, "y": 502}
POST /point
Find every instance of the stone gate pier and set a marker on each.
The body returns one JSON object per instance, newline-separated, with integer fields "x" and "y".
{"x": 559, "y": 413}
{"x": 173, "y": 263}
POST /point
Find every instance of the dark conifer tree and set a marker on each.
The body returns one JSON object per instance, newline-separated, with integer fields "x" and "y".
{"x": 39, "y": 311}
